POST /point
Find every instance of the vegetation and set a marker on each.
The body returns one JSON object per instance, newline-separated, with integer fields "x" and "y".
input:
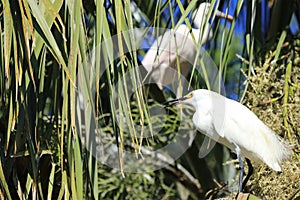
{"x": 70, "y": 67}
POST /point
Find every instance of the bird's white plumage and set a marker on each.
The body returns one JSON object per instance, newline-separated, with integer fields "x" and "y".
{"x": 178, "y": 45}
{"x": 165, "y": 51}
{"x": 239, "y": 127}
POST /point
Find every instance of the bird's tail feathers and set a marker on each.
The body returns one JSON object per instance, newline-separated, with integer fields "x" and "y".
{"x": 282, "y": 151}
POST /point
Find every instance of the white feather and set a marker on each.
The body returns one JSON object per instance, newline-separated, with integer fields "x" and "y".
{"x": 231, "y": 124}
{"x": 178, "y": 45}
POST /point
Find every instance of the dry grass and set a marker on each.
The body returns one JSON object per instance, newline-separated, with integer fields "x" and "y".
{"x": 276, "y": 101}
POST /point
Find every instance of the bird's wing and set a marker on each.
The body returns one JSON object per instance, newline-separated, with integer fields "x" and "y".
{"x": 241, "y": 126}
{"x": 218, "y": 111}
{"x": 257, "y": 141}
{"x": 169, "y": 45}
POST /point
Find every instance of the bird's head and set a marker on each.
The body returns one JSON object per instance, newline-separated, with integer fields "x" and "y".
{"x": 201, "y": 13}
{"x": 194, "y": 98}
{"x": 187, "y": 99}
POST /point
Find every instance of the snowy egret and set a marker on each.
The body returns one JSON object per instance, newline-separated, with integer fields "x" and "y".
{"x": 242, "y": 131}
{"x": 179, "y": 44}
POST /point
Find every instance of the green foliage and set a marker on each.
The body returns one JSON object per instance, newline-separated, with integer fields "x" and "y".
{"x": 273, "y": 94}
{"x": 135, "y": 186}
{"x": 45, "y": 55}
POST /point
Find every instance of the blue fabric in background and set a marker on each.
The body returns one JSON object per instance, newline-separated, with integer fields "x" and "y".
{"x": 166, "y": 14}
{"x": 294, "y": 25}
{"x": 265, "y": 18}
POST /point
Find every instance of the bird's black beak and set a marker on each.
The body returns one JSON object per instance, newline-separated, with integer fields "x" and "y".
{"x": 174, "y": 101}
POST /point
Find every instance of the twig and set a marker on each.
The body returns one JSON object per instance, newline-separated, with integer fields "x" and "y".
{"x": 285, "y": 98}
{"x": 268, "y": 101}
{"x": 182, "y": 175}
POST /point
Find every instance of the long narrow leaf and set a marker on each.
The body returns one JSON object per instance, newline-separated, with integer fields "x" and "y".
{"x": 53, "y": 47}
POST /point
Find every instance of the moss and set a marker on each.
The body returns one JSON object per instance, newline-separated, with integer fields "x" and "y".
{"x": 273, "y": 94}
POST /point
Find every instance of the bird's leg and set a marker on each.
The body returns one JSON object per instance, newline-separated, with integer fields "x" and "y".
{"x": 250, "y": 172}
{"x": 238, "y": 153}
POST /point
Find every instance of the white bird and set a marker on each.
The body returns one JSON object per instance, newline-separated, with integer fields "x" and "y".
{"x": 179, "y": 44}
{"x": 241, "y": 130}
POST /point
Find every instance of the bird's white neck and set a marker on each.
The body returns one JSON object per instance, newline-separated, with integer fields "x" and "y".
{"x": 202, "y": 33}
